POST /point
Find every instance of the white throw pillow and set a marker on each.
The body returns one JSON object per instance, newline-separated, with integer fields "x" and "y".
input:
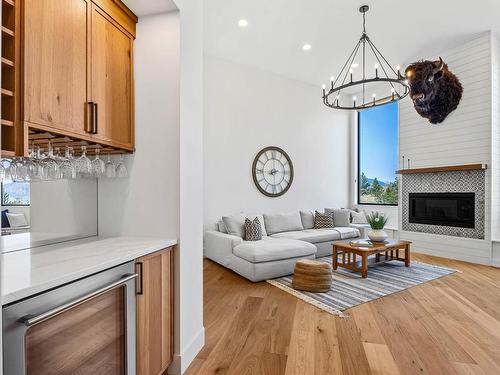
{"x": 359, "y": 217}
{"x": 17, "y": 220}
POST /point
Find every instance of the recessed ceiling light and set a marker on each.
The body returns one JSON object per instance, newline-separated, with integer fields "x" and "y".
{"x": 354, "y": 65}
{"x": 242, "y": 23}
{"x": 306, "y": 47}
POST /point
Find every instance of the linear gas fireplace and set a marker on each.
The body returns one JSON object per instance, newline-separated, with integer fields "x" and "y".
{"x": 444, "y": 202}
{"x": 444, "y": 209}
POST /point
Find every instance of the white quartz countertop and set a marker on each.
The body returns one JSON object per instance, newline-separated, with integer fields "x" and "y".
{"x": 31, "y": 271}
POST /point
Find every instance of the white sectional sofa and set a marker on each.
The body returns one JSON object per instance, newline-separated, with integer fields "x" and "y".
{"x": 286, "y": 239}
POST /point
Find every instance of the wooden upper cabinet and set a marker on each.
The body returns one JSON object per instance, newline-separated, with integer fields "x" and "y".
{"x": 55, "y": 57}
{"x": 112, "y": 79}
{"x": 77, "y": 69}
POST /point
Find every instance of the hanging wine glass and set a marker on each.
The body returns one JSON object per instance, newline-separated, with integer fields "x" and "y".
{"x": 4, "y": 169}
{"x": 84, "y": 165}
{"x": 98, "y": 166}
{"x": 67, "y": 167}
{"x": 110, "y": 168}
{"x": 49, "y": 165}
{"x": 17, "y": 170}
{"x": 121, "y": 170}
{"x": 30, "y": 165}
{"x": 38, "y": 166}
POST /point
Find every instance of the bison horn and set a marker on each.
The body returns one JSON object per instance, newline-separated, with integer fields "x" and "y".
{"x": 438, "y": 65}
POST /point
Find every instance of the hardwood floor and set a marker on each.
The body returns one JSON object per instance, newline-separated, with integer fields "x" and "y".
{"x": 447, "y": 326}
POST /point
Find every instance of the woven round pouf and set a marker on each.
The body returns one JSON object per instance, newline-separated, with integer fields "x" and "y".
{"x": 312, "y": 276}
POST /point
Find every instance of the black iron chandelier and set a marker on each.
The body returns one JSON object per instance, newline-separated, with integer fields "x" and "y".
{"x": 384, "y": 75}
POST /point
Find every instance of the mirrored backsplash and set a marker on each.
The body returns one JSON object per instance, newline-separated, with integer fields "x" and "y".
{"x": 45, "y": 212}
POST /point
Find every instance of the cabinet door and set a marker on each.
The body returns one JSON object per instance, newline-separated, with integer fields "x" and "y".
{"x": 154, "y": 313}
{"x": 55, "y": 51}
{"x": 112, "y": 80}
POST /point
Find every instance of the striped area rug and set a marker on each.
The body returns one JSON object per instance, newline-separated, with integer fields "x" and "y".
{"x": 349, "y": 289}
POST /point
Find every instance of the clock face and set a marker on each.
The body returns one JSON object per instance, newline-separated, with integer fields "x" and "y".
{"x": 272, "y": 171}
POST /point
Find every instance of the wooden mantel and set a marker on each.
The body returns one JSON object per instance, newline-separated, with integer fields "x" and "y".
{"x": 452, "y": 168}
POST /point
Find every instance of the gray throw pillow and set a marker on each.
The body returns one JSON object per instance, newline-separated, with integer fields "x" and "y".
{"x": 277, "y": 223}
{"x": 307, "y": 218}
{"x": 359, "y": 218}
{"x": 341, "y": 217}
{"x": 253, "y": 230}
{"x": 221, "y": 226}
{"x": 235, "y": 225}
{"x": 322, "y": 220}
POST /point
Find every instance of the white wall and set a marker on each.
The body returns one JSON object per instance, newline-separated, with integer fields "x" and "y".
{"x": 190, "y": 333}
{"x": 248, "y": 109}
{"x": 495, "y": 139}
{"x": 464, "y": 137}
{"x": 147, "y": 202}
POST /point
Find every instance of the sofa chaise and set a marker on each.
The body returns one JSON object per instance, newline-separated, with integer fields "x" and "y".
{"x": 286, "y": 239}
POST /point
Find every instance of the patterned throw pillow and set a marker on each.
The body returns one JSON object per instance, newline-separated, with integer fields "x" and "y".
{"x": 322, "y": 220}
{"x": 253, "y": 230}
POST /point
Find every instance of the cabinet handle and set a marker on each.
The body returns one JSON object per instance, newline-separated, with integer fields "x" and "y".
{"x": 95, "y": 118}
{"x": 30, "y": 320}
{"x": 90, "y": 118}
{"x": 140, "y": 291}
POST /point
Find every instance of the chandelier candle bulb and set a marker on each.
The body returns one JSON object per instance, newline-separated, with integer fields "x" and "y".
{"x": 376, "y": 70}
{"x": 350, "y": 72}
{"x": 354, "y": 101}
{"x": 324, "y": 88}
{"x": 374, "y": 98}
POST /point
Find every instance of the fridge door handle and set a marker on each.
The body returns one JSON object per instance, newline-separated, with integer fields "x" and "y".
{"x": 31, "y": 320}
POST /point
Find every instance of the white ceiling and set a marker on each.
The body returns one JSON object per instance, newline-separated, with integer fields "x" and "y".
{"x": 402, "y": 30}
{"x": 147, "y": 7}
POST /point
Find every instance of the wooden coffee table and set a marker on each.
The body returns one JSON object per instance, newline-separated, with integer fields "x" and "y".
{"x": 349, "y": 253}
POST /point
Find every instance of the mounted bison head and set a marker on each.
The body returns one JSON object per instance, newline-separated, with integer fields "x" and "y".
{"x": 435, "y": 90}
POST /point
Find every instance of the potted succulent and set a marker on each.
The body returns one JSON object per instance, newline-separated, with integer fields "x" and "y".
{"x": 377, "y": 222}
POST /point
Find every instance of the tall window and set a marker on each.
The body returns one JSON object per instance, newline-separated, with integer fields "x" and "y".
{"x": 378, "y": 155}
{"x": 15, "y": 193}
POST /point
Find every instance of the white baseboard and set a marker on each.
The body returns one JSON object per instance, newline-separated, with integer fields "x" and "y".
{"x": 452, "y": 255}
{"x": 182, "y": 361}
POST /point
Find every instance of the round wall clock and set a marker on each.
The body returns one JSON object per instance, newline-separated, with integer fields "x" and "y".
{"x": 272, "y": 171}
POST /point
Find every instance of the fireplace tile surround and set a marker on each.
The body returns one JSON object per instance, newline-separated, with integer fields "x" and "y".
{"x": 472, "y": 181}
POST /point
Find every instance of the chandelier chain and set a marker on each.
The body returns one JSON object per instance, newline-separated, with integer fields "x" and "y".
{"x": 364, "y": 23}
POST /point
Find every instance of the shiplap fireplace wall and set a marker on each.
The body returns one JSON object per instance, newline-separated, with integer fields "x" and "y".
{"x": 469, "y": 135}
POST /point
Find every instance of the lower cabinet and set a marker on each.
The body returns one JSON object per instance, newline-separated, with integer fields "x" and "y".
{"x": 154, "y": 307}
